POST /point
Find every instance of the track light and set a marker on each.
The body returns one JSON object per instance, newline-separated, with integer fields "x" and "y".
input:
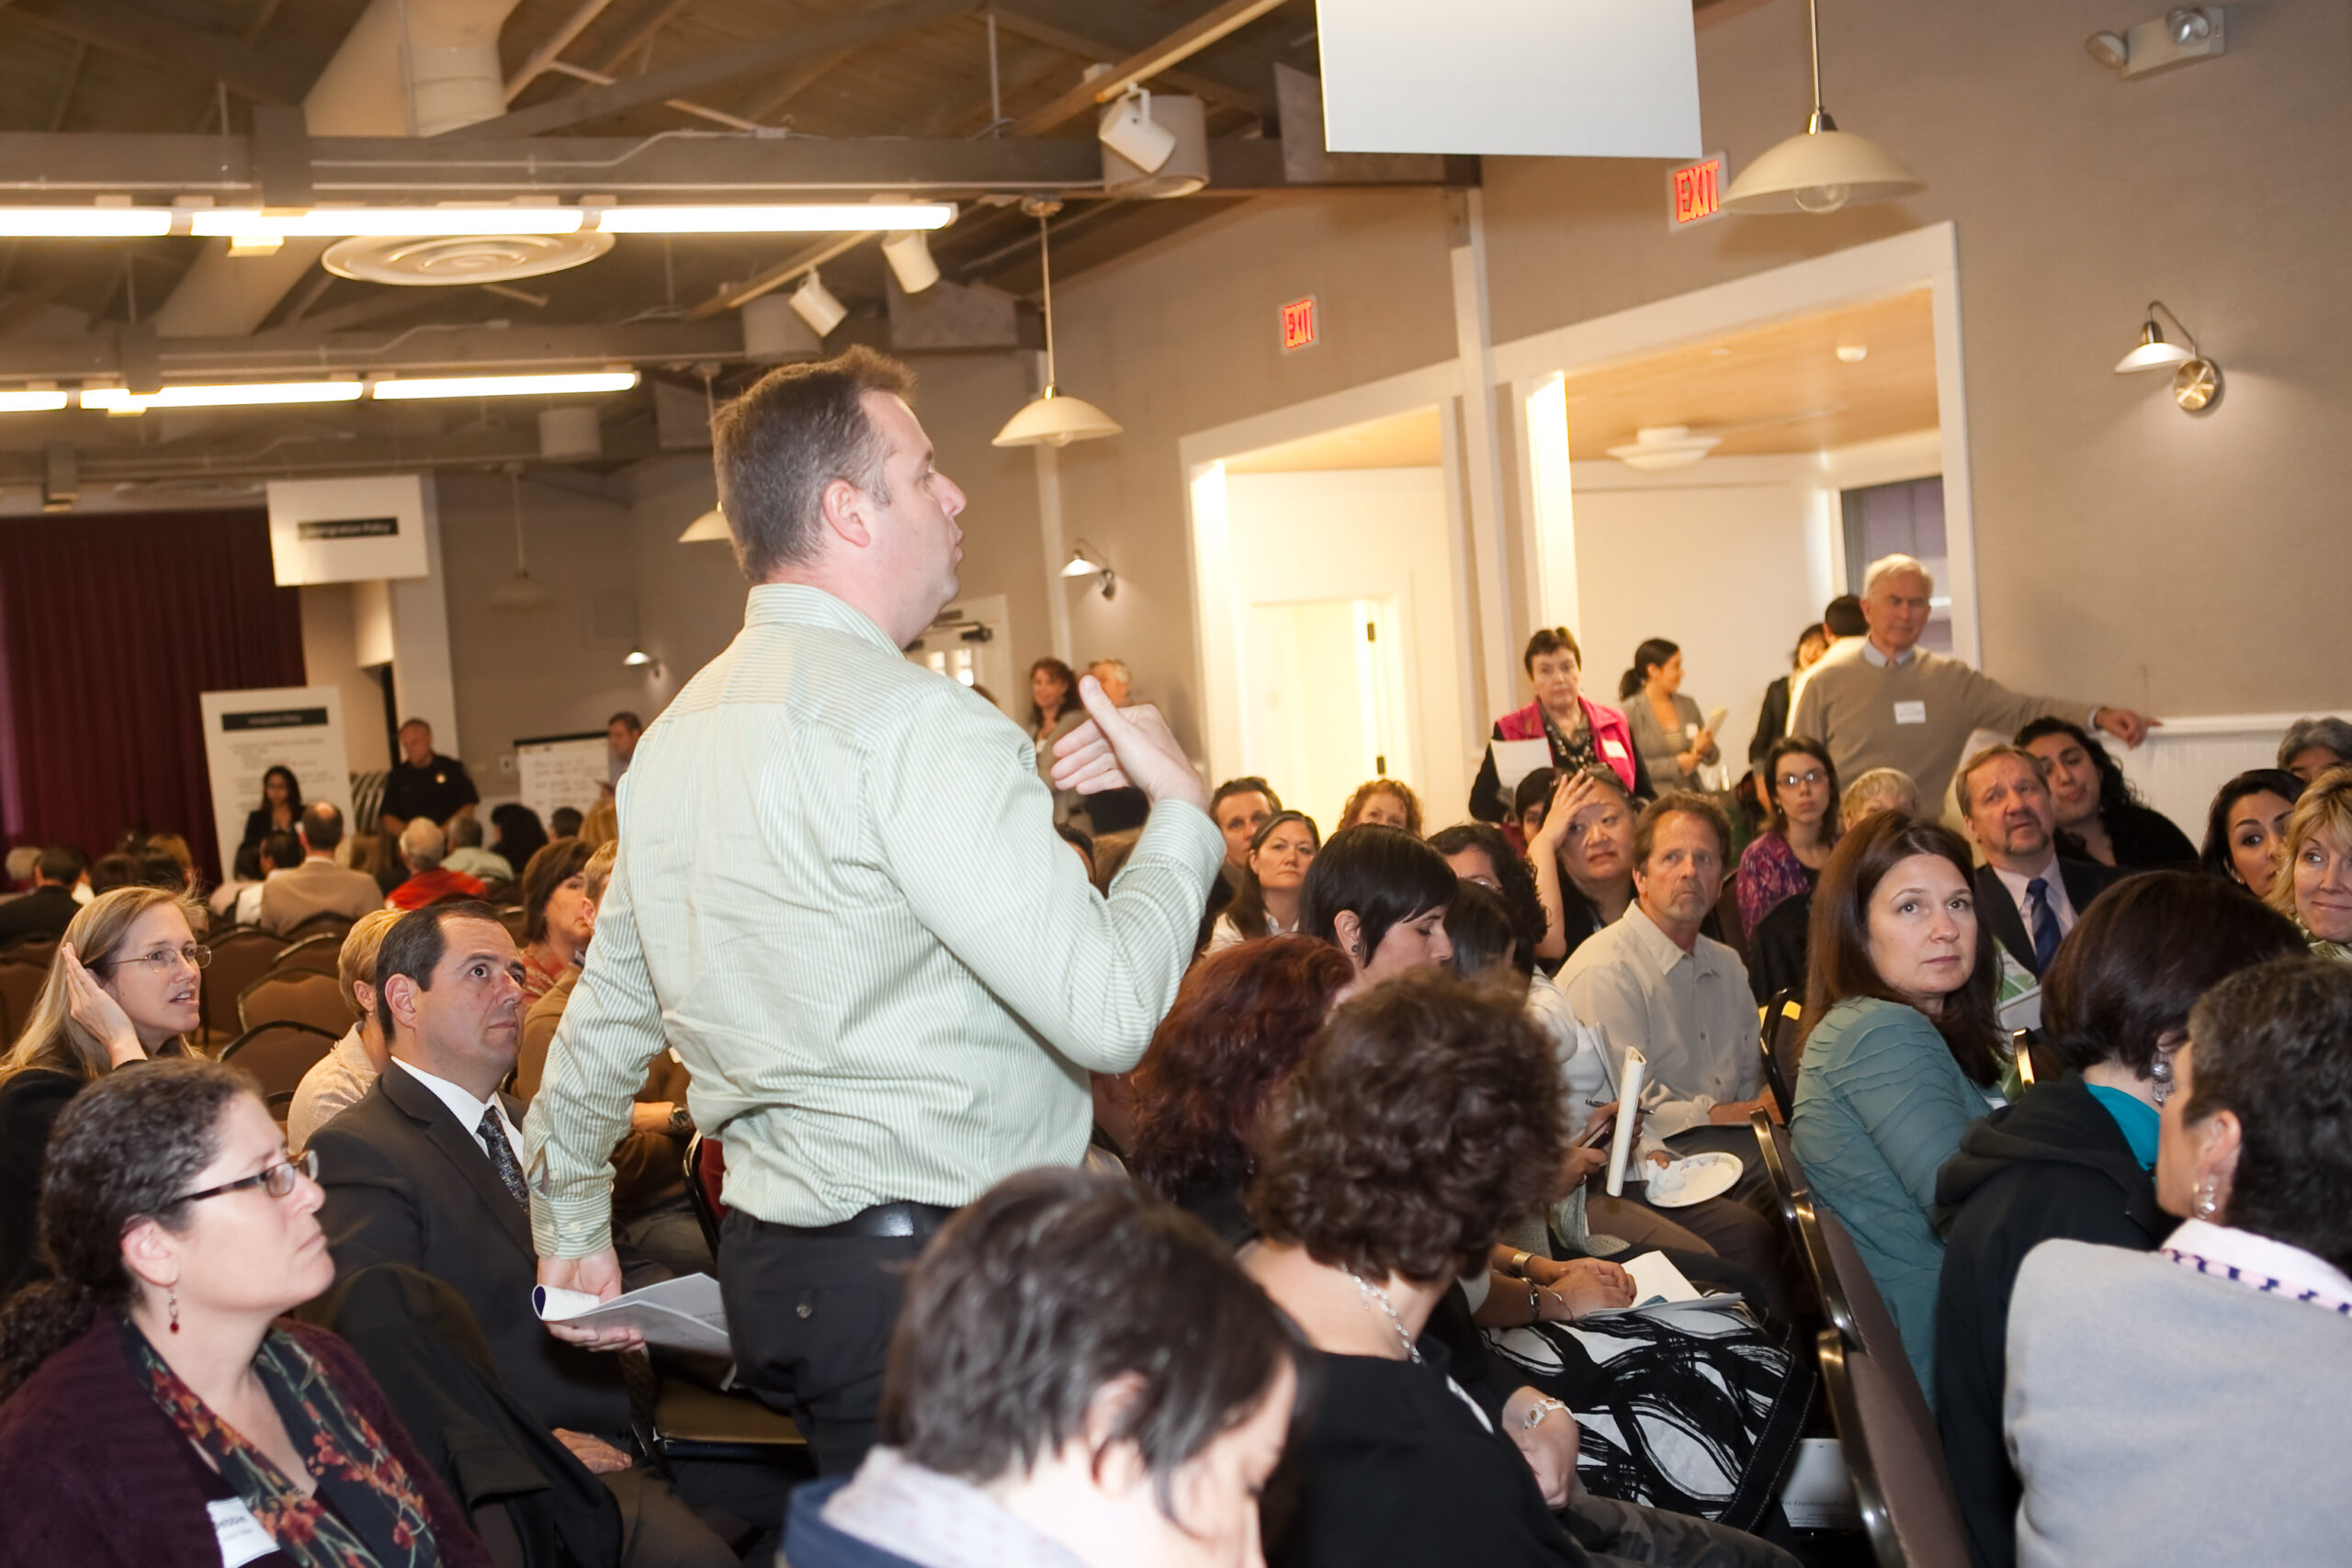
{"x": 1083, "y": 563}
{"x": 1128, "y": 130}
{"x": 814, "y": 303}
{"x": 909, "y": 258}
{"x": 638, "y": 658}
{"x": 2196, "y": 381}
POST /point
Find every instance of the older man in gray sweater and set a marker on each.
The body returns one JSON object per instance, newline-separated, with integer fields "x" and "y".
{"x": 1884, "y": 702}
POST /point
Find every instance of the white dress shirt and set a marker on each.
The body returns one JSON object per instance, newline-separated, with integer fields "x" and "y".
{"x": 2060, "y": 905}
{"x": 1690, "y": 1014}
{"x": 466, "y": 1108}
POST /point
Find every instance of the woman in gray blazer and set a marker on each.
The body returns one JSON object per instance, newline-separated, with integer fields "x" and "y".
{"x": 1668, "y": 730}
{"x": 2194, "y": 1403}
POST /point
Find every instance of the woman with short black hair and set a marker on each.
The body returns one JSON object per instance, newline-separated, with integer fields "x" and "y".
{"x": 2073, "y": 1158}
{"x": 1379, "y": 894}
{"x": 2195, "y": 1403}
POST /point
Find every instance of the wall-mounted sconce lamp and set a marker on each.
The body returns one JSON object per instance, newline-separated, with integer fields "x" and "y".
{"x": 639, "y": 659}
{"x": 1084, "y": 563}
{"x": 2196, "y": 381}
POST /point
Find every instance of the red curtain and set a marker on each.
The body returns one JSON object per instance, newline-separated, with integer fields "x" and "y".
{"x": 111, "y": 626}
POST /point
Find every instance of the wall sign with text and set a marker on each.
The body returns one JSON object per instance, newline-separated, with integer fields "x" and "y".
{"x": 1694, "y": 193}
{"x": 1301, "y": 325}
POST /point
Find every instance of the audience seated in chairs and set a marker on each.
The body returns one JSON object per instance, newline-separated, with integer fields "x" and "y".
{"x": 1378, "y": 894}
{"x": 466, "y": 854}
{"x": 557, "y": 915}
{"x": 423, "y": 1172}
{"x": 2313, "y": 887}
{"x": 654, "y": 1227}
{"x": 157, "y": 1411}
{"x": 122, "y": 987}
{"x": 1274, "y": 881}
{"x": 2101, "y": 816}
{"x": 2196, "y": 1403}
{"x": 1582, "y": 853}
{"x": 2312, "y": 745}
{"x": 2074, "y": 1156}
{"x": 1777, "y": 944}
{"x": 317, "y": 885}
{"x": 278, "y": 853}
{"x": 2028, "y": 895}
{"x": 1901, "y": 1048}
{"x": 422, "y": 844}
{"x": 48, "y": 907}
{"x": 1039, "y": 1409}
{"x": 1425, "y": 1119}
{"x": 1784, "y": 862}
{"x": 521, "y": 834}
{"x": 343, "y": 1077}
{"x": 1388, "y": 803}
{"x": 2245, "y": 831}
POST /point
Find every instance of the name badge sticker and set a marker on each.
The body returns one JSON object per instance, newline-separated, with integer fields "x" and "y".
{"x": 1910, "y": 713}
{"x": 241, "y": 1535}
{"x": 1612, "y": 747}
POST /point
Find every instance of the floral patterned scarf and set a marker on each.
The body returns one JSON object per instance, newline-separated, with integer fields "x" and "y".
{"x": 378, "y": 1519}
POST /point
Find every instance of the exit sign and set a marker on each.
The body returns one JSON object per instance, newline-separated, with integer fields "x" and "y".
{"x": 1299, "y": 324}
{"x": 1694, "y": 193}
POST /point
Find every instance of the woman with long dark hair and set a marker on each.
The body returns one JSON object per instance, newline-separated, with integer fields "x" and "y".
{"x": 1273, "y": 882}
{"x": 2246, "y": 831}
{"x": 281, "y": 804}
{"x": 2096, "y": 804}
{"x": 1668, "y": 730}
{"x": 1900, "y": 1046}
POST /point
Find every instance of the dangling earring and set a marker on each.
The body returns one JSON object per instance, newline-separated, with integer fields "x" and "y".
{"x": 2160, "y": 1074}
{"x": 2207, "y": 1202}
{"x": 172, "y": 1300}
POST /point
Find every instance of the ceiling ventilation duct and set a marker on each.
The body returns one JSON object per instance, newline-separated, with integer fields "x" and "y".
{"x": 442, "y": 260}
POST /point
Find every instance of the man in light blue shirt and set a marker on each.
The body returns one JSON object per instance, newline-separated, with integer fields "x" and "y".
{"x": 841, "y": 899}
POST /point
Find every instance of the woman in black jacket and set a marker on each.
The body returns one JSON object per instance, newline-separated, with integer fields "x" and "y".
{"x": 2073, "y": 1158}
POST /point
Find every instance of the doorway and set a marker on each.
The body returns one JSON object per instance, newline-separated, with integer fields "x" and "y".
{"x": 1327, "y": 700}
{"x": 967, "y": 643}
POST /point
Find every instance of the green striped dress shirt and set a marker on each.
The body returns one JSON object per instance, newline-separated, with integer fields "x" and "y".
{"x": 841, "y": 899}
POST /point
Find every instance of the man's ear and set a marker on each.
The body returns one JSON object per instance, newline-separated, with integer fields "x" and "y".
{"x": 848, "y": 513}
{"x": 398, "y": 994}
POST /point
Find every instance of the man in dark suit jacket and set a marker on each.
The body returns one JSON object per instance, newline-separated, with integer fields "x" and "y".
{"x": 2031, "y": 898}
{"x": 48, "y": 907}
{"x": 423, "y": 1172}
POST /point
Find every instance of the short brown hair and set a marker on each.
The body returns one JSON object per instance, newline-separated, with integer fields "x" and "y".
{"x": 1838, "y": 963}
{"x": 1426, "y": 1118}
{"x": 2003, "y": 748}
{"x": 551, "y": 865}
{"x": 778, "y": 446}
{"x": 1685, "y": 803}
{"x": 1551, "y": 639}
{"x": 1384, "y": 785}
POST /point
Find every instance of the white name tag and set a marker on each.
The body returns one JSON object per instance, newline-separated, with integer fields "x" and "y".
{"x": 241, "y": 1536}
{"x": 1910, "y": 713}
{"x": 1612, "y": 747}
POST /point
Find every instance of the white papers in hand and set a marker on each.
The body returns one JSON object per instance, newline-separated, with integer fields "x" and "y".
{"x": 1629, "y": 1110}
{"x": 683, "y": 1315}
{"x": 1514, "y": 760}
{"x": 1657, "y": 1281}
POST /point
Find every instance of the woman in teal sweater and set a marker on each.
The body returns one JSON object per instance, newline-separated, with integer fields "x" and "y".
{"x": 1901, "y": 1051}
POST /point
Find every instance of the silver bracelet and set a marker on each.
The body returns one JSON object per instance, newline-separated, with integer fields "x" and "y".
{"x": 1536, "y": 1411}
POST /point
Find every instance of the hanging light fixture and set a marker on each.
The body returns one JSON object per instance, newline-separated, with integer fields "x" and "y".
{"x": 521, "y": 592}
{"x": 2196, "y": 381}
{"x": 712, "y": 524}
{"x": 1657, "y": 447}
{"x": 1052, "y": 419}
{"x": 1823, "y": 169}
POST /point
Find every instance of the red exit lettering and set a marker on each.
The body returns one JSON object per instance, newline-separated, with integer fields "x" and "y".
{"x": 1695, "y": 193}
{"x": 1298, "y": 324}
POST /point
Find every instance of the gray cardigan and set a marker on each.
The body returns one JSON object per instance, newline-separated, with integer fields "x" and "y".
{"x": 2160, "y": 1417}
{"x": 1657, "y": 747}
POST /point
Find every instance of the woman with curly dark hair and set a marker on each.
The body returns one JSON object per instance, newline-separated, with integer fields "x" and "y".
{"x": 2096, "y": 804}
{"x": 1426, "y": 1119}
{"x": 157, "y": 1414}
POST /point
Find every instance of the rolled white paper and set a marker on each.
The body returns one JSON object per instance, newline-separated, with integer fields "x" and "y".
{"x": 555, "y": 1306}
{"x": 1629, "y": 1108}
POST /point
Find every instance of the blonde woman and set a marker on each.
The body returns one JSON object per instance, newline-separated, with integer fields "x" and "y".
{"x": 122, "y": 987}
{"x": 2313, "y": 887}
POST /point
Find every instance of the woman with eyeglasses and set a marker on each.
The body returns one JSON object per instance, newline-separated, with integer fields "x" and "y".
{"x": 153, "y": 1409}
{"x": 122, "y": 989}
{"x": 1784, "y": 861}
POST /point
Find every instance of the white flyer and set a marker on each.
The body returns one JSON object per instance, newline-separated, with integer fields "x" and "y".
{"x": 1629, "y": 1111}
{"x": 683, "y": 1315}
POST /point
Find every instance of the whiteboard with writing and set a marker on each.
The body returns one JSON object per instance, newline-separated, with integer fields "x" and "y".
{"x": 248, "y": 733}
{"x": 563, "y": 770}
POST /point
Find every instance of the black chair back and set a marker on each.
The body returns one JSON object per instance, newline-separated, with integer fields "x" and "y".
{"x": 1780, "y": 1167}
{"x": 1901, "y": 1482}
{"x": 1776, "y": 1041}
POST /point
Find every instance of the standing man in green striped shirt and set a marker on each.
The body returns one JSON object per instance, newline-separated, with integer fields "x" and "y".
{"x": 841, "y": 899}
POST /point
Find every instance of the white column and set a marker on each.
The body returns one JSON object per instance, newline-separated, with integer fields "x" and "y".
{"x": 1499, "y": 631}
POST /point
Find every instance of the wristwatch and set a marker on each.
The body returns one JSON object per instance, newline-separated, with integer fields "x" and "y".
{"x": 682, "y": 1122}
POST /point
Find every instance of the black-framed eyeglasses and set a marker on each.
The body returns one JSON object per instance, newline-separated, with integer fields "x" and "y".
{"x": 276, "y": 1179}
{"x": 196, "y": 955}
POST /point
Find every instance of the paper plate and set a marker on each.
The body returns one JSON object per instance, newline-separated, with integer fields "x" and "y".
{"x": 1704, "y": 1175}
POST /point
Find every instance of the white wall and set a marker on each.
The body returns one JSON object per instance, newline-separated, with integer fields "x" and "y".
{"x": 1721, "y": 569}
{"x": 1365, "y": 534}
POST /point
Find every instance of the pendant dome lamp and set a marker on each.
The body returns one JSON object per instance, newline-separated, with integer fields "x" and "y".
{"x": 1052, "y": 419}
{"x": 1822, "y": 168}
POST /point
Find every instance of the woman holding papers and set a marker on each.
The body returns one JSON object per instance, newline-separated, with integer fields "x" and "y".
{"x": 1900, "y": 1049}
{"x": 157, "y": 1411}
{"x": 1578, "y": 733}
{"x": 1671, "y": 736}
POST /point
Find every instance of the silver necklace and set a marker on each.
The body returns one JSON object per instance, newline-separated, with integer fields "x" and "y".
{"x": 1374, "y": 1296}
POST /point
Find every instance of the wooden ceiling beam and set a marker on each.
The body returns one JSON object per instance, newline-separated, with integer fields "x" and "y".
{"x": 135, "y": 31}
{"x": 1161, "y": 55}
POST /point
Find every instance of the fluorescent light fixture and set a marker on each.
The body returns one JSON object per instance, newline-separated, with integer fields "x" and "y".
{"x": 83, "y": 223}
{"x": 909, "y": 258}
{"x": 796, "y": 218}
{"x": 338, "y": 222}
{"x": 409, "y": 388}
{"x": 814, "y": 303}
{"x": 31, "y": 403}
{"x": 250, "y": 394}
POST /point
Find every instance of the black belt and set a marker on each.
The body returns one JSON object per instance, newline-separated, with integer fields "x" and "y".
{"x": 901, "y": 1219}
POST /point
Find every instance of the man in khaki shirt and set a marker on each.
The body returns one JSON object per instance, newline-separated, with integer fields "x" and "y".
{"x": 839, "y": 898}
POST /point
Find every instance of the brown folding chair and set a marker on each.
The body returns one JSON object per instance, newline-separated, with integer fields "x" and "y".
{"x": 319, "y": 955}
{"x": 1780, "y": 1167}
{"x": 20, "y": 984}
{"x": 516, "y": 921}
{"x": 1727, "y": 916}
{"x": 277, "y": 1055}
{"x": 31, "y": 950}
{"x": 1775, "y": 1039}
{"x": 241, "y": 955}
{"x": 296, "y": 996}
{"x": 331, "y": 925}
{"x": 1896, "y": 1459}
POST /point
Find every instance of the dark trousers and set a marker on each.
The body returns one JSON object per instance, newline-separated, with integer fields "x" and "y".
{"x": 811, "y": 1318}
